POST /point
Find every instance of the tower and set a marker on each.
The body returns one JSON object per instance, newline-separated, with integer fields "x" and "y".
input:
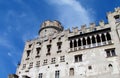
{"x": 48, "y": 28}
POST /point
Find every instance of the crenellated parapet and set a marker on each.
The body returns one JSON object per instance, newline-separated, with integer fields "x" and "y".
{"x": 55, "y": 24}
{"x": 114, "y": 17}
{"x": 75, "y": 29}
{"x": 86, "y": 29}
{"x": 101, "y": 23}
{"x": 117, "y": 9}
{"x": 49, "y": 28}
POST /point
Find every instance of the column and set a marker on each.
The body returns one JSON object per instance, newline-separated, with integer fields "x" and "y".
{"x": 90, "y": 41}
{"x": 106, "y": 42}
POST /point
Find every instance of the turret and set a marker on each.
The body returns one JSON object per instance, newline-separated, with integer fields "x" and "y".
{"x": 48, "y": 28}
{"x": 114, "y": 17}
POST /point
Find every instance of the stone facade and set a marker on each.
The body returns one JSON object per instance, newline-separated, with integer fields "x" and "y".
{"x": 89, "y": 52}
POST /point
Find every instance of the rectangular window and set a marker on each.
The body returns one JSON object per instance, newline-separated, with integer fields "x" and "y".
{"x": 31, "y": 65}
{"x": 117, "y": 18}
{"x": 53, "y": 60}
{"x": 45, "y": 62}
{"x": 40, "y": 75}
{"x": 78, "y": 58}
{"x": 38, "y": 50}
{"x": 28, "y": 53}
{"x": 38, "y": 43}
{"x": 30, "y": 45}
{"x": 62, "y": 58}
{"x": 57, "y": 74}
{"x": 37, "y": 63}
{"x": 59, "y": 45}
{"x": 48, "y": 49}
{"x": 110, "y": 52}
{"x": 24, "y": 66}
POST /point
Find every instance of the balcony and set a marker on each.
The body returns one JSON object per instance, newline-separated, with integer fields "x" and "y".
{"x": 48, "y": 54}
{"x": 91, "y": 46}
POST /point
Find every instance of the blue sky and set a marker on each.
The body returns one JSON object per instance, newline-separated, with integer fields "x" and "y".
{"x": 20, "y": 21}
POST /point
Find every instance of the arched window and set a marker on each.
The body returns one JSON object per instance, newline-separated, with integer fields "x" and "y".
{"x": 88, "y": 41}
{"x": 75, "y": 43}
{"x": 103, "y": 37}
{"x": 98, "y": 39}
{"x": 79, "y": 42}
{"x": 110, "y": 67}
{"x": 108, "y": 36}
{"x": 93, "y": 40}
{"x": 84, "y": 41}
{"x": 71, "y": 44}
{"x": 71, "y": 73}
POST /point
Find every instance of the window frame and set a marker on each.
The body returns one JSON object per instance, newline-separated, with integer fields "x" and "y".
{"x": 110, "y": 52}
{"x": 40, "y": 75}
{"x": 62, "y": 58}
{"x": 78, "y": 58}
{"x": 57, "y": 74}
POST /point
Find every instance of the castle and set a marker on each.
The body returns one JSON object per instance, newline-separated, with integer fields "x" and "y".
{"x": 89, "y": 52}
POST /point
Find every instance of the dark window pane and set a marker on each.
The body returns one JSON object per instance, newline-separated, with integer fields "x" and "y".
{"x": 78, "y": 58}
{"x": 71, "y": 44}
{"x": 113, "y": 52}
{"x": 108, "y": 53}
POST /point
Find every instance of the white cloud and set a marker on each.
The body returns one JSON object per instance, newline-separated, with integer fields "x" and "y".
{"x": 71, "y": 12}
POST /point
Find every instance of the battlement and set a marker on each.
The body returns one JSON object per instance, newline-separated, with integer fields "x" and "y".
{"x": 51, "y": 23}
{"x": 117, "y": 9}
{"x": 92, "y": 27}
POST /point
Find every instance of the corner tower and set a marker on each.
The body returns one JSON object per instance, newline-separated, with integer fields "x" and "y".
{"x": 48, "y": 28}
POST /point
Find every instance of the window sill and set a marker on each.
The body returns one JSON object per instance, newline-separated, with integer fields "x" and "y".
{"x": 48, "y": 54}
{"x": 37, "y": 56}
{"x": 78, "y": 62}
{"x": 37, "y": 66}
{"x": 45, "y": 64}
{"x": 53, "y": 63}
{"x": 59, "y": 51}
{"x": 27, "y": 58}
{"x": 27, "y": 71}
{"x": 111, "y": 56}
{"x": 62, "y": 61}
